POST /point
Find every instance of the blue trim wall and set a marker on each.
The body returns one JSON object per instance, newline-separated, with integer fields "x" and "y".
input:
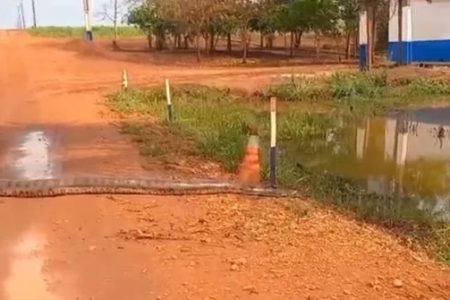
{"x": 421, "y": 51}
{"x": 416, "y": 51}
{"x": 406, "y": 55}
{"x": 362, "y": 56}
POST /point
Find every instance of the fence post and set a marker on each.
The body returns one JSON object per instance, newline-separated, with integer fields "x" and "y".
{"x": 273, "y": 142}
{"x": 169, "y": 101}
{"x": 125, "y": 79}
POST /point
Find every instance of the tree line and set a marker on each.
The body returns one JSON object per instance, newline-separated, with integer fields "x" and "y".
{"x": 183, "y": 23}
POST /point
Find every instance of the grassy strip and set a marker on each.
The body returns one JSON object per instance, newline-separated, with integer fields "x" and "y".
{"x": 219, "y": 121}
{"x": 76, "y": 32}
{"x": 374, "y": 92}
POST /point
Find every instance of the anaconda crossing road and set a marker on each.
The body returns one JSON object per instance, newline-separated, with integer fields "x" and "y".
{"x": 53, "y": 124}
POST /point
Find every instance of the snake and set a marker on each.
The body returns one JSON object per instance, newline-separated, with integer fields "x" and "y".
{"x": 133, "y": 186}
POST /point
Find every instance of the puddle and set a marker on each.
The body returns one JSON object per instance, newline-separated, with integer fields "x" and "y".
{"x": 25, "y": 280}
{"x": 404, "y": 153}
{"x": 31, "y": 160}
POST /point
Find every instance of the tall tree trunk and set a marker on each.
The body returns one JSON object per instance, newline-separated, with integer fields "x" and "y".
{"x": 206, "y": 38}
{"x": 285, "y": 42}
{"x": 244, "y": 45}
{"x": 298, "y": 38}
{"x": 270, "y": 41}
{"x": 317, "y": 41}
{"x": 261, "y": 41}
{"x": 369, "y": 28}
{"x": 175, "y": 42}
{"x": 374, "y": 30}
{"x": 400, "y": 33}
{"x": 291, "y": 50}
{"x": 186, "y": 42}
{"x": 197, "y": 45}
{"x": 116, "y": 13}
{"x": 229, "y": 46}
{"x": 150, "y": 40}
{"x": 179, "y": 41}
{"x": 211, "y": 41}
{"x": 348, "y": 44}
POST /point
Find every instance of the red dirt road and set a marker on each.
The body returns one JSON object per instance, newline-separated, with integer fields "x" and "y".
{"x": 110, "y": 247}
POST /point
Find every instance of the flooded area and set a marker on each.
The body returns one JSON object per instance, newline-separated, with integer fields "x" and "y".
{"x": 405, "y": 154}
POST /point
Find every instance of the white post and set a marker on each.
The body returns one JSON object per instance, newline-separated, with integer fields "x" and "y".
{"x": 169, "y": 101}
{"x": 273, "y": 142}
{"x": 87, "y": 21}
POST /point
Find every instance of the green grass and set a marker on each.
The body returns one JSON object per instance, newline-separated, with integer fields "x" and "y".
{"x": 362, "y": 91}
{"x": 77, "y": 32}
{"x": 219, "y": 122}
{"x": 217, "y": 119}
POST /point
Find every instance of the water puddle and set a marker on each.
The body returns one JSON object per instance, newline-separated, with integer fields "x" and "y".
{"x": 32, "y": 159}
{"x": 25, "y": 280}
{"x": 404, "y": 153}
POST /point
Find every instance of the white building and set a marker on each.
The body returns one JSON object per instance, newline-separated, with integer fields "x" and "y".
{"x": 426, "y": 31}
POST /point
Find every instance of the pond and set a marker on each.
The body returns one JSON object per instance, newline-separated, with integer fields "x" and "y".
{"x": 405, "y": 154}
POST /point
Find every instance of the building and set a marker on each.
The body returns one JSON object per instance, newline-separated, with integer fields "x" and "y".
{"x": 426, "y": 32}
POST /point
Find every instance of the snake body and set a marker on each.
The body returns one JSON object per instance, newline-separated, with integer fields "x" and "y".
{"x": 95, "y": 185}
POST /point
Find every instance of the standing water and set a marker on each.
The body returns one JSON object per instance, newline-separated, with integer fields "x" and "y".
{"x": 32, "y": 157}
{"x": 405, "y": 154}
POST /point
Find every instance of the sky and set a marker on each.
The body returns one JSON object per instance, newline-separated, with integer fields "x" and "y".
{"x": 49, "y": 12}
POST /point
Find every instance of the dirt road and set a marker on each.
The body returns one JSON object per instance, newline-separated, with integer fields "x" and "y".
{"x": 53, "y": 123}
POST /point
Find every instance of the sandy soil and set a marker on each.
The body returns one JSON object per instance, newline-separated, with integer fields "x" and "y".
{"x": 111, "y": 247}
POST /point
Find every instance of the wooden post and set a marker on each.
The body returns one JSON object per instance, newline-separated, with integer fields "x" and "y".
{"x": 273, "y": 142}
{"x": 169, "y": 101}
{"x": 125, "y": 79}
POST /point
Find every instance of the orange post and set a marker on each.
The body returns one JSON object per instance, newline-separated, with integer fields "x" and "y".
{"x": 250, "y": 168}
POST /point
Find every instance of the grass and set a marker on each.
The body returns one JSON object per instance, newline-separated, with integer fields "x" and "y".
{"x": 76, "y": 32}
{"x": 217, "y": 119}
{"x": 219, "y": 122}
{"x": 362, "y": 91}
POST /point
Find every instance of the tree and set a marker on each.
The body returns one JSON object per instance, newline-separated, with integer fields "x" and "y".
{"x": 229, "y": 26}
{"x": 266, "y": 22}
{"x": 145, "y": 17}
{"x": 244, "y": 11}
{"x": 370, "y": 6}
{"x": 112, "y": 11}
{"x": 325, "y": 18}
{"x": 294, "y": 16}
{"x": 350, "y": 17}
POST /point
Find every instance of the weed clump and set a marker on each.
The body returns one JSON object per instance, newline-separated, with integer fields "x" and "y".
{"x": 357, "y": 85}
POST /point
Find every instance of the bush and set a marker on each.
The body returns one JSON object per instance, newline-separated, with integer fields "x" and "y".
{"x": 360, "y": 85}
{"x": 420, "y": 86}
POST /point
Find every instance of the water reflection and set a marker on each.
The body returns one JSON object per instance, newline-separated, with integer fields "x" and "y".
{"x": 34, "y": 161}
{"x": 31, "y": 157}
{"x": 404, "y": 153}
{"x": 25, "y": 279}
